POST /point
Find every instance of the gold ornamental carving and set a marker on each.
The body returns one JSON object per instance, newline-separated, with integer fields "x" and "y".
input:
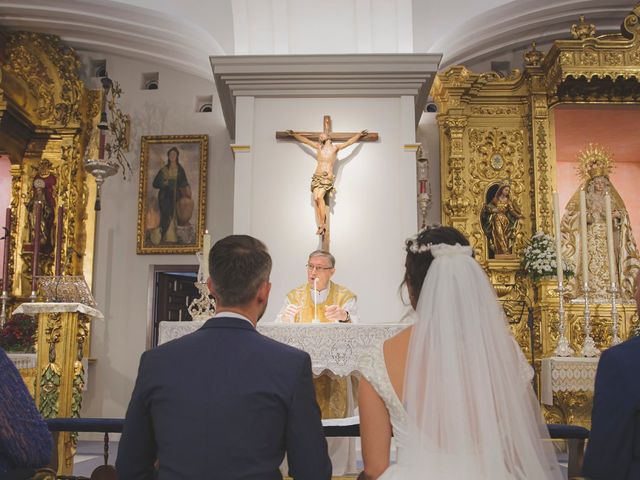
{"x": 494, "y": 129}
{"x": 589, "y": 58}
{"x": 613, "y": 58}
{"x": 496, "y": 153}
{"x": 51, "y": 375}
{"x": 590, "y": 68}
{"x": 543, "y": 188}
{"x": 49, "y": 70}
{"x": 495, "y": 159}
{"x": 47, "y": 118}
{"x": 457, "y": 205}
{"x": 495, "y": 110}
{"x": 533, "y": 57}
{"x": 582, "y": 29}
{"x": 573, "y": 408}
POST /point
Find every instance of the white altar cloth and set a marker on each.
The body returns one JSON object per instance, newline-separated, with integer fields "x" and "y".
{"x": 34, "y": 308}
{"x": 23, "y": 361}
{"x": 333, "y": 347}
{"x": 567, "y": 374}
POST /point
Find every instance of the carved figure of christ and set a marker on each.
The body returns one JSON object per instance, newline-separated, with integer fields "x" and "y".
{"x": 322, "y": 182}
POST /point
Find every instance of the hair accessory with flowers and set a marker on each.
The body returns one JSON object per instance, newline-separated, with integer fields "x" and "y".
{"x": 413, "y": 245}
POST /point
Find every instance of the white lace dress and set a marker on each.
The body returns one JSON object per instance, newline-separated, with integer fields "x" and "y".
{"x": 373, "y": 367}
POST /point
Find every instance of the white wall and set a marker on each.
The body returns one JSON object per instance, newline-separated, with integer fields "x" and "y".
{"x": 374, "y": 206}
{"x": 120, "y": 275}
{"x": 330, "y": 26}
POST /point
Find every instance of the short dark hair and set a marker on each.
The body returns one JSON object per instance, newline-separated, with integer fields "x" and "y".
{"x": 417, "y": 264}
{"x": 238, "y": 265}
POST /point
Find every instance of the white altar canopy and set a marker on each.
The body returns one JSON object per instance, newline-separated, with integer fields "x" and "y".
{"x": 335, "y": 347}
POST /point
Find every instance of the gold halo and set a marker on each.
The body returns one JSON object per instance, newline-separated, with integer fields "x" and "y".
{"x": 594, "y": 161}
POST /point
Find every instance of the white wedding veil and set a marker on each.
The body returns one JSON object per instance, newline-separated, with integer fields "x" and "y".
{"x": 471, "y": 412}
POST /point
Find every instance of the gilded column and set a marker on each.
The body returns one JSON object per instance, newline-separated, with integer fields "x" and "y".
{"x": 456, "y": 206}
{"x": 542, "y": 155}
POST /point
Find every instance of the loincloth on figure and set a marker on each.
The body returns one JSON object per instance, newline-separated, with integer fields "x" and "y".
{"x": 324, "y": 182}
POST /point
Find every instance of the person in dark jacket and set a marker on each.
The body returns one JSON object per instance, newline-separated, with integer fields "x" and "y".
{"x": 226, "y": 402}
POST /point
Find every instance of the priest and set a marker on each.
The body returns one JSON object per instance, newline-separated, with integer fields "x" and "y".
{"x": 320, "y": 300}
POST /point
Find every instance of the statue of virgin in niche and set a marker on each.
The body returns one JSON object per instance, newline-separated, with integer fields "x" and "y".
{"x": 499, "y": 219}
{"x": 595, "y": 166}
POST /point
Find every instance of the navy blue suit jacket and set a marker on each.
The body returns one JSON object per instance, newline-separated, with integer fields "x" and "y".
{"x": 224, "y": 402}
{"x": 615, "y": 432}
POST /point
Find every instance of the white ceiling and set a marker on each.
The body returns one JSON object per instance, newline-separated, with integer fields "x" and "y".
{"x": 184, "y": 33}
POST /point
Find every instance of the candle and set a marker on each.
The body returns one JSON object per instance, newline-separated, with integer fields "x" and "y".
{"x": 58, "y": 270}
{"x": 583, "y": 238}
{"x": 36, "y": 245}
{"x": 556, "y": 217}
{"x": 612, "y": 261}
{"x": 7, "y": 245}
{"x": 315, "y": 300}
{"x": 206, "y": 246}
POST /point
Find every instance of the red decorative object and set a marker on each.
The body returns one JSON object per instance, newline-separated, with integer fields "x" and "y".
{"x": 19, "y": 334}
{"x": 6, "y": 285}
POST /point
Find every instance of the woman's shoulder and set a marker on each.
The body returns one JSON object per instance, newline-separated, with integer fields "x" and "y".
{"x": 398, "y": 343}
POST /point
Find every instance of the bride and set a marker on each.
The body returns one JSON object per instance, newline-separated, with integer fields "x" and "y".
{"x": 453, "y": 389}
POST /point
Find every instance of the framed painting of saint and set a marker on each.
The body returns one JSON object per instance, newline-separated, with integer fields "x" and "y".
{"x": 172, "y": 194}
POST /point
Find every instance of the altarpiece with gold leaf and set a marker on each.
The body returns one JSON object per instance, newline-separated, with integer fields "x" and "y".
{"x": 496, "y": 130}
{"x": 47, "y": 118}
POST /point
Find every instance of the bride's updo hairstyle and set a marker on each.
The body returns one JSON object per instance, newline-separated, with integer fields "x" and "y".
{"x": 419, "y": 256}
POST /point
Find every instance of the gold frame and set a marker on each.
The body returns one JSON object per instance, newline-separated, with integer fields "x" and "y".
{"x": 145, "y": 143}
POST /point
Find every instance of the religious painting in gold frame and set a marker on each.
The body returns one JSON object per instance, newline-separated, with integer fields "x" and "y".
{"x": 172, "y": 194}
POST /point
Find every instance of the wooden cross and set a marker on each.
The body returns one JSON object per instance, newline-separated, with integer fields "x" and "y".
{"x": 326, "y": 158}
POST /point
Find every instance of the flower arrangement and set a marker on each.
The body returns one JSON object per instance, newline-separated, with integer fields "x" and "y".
{"x": 539, "y": 258}
{"x": 18, "y": 334}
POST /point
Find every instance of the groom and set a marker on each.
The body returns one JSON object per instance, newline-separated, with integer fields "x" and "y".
{"x": 613, "y": 451}
{"x": 226, "y": 402}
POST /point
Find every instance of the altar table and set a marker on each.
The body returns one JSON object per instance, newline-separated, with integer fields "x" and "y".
{"x": 333, "y": 347}
{"x": 567, "y": 374}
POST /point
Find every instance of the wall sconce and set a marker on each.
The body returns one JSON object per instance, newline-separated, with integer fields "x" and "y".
{"x": 115, "y": 123}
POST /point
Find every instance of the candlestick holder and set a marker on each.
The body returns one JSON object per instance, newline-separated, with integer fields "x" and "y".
{"x": 3, "y": 312}
{"x": 615, "y": 340}
{"x": 101, "y": 169}
{"x": 589, "y": 348}
{"x": 203, "y": 307}
{"x": 563, "y": 349}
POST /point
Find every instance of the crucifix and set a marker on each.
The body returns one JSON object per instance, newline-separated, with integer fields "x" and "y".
{"x": 322, "y": 182}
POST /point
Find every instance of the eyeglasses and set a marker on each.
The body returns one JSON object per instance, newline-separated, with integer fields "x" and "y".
{"x": 317, "y": 268}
